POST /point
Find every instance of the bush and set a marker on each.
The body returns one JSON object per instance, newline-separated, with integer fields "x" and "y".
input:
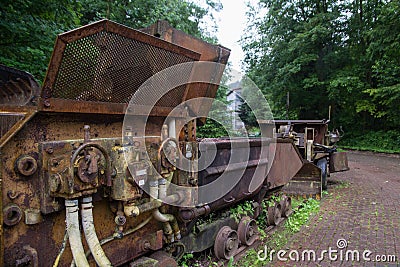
{"x": 377, "y": 141}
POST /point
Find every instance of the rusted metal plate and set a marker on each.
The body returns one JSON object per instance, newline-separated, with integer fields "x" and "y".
{"x": 208, "y": 52}
{"x": 307, "y": 182}
{"x": 286, "y": 163}
{"x": 108, "y": 62}
{"x": 206, "y": 234}
{"x": 338, "y": 162}
{"x": 242, "y": 158}
{"x": 92, "y": 75}
{"x": 17, "y": 87}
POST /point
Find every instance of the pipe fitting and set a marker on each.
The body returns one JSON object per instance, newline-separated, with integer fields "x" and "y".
{"x": 131, "y": 210}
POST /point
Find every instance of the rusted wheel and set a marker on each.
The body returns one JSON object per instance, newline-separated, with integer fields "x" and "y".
{"x": 247, "y": 231}
{"x": 226, "y": 243}
{"x": 274, "y": 214}
{"x": 286, "y": 206}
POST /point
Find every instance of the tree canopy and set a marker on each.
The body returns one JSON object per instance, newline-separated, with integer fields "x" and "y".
{"x": 344, "y": 54}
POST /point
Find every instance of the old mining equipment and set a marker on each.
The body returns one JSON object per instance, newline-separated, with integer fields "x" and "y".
{"x": 80, "y": 187}
{"x": 316, "y": 149}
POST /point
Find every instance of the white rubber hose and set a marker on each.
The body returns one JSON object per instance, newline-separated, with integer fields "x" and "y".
{"x": 90, "y": 234}
{"x": 72, "y": 220}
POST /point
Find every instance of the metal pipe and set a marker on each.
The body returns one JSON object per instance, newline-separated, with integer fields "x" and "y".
{"x": 90, "y": 233}
{"x": 170, "y": 223}
{"x": 166, "y": 218}
{"x": 162, "y": 189}
{"x": 72, "y": 221}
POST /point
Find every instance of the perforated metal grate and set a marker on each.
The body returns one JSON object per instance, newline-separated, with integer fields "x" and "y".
{"x": 108, "y": 67}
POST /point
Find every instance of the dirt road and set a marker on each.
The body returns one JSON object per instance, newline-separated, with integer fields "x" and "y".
{"x": 359, "y": 221}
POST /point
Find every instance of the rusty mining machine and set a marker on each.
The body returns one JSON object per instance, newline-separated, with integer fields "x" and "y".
{"x": 80, "y": 187}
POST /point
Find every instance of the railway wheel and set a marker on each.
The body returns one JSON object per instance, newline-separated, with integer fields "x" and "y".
{"x": 323, "y": 165}
{"x": 286, "y": 206}
{"x": 274, "y": 214}
{"x": 247, "y": 231}
{"x": 226, "y": 243}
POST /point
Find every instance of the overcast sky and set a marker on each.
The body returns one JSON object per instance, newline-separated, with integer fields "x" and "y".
{"x": 231, "y": 23}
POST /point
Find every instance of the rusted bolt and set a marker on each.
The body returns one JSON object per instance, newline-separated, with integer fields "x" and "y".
{"x": 120, "y": 220}
{"x": 13, "y": 195}
{"x": 46, "y": 103}
{"x": 26, "y": 165}
{"x": 55, "y": 162}
{"x": 12, "y": 215}
{"x": 146, "y": 245}
{"x": 33, "y": 216}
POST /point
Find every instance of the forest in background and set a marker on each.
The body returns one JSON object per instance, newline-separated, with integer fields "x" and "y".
{"x": 344, "y": 54}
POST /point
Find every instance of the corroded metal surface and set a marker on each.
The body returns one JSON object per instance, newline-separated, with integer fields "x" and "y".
{"x": 106, "y": 62}
{"x": 286, "y": 163}
{"x": 209, "y": 52}
{"x": 17, "y": 88}
{"x": 251, "y": 167}
{"x": 49, "y": 153}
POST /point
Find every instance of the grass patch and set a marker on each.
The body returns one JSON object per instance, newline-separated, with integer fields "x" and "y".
{"x": 304, "y": 209}
{"x": 279, "y": 239}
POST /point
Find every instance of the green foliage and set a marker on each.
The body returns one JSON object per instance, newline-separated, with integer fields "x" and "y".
{"x": 185, "y": 261}
{"x": 344, "y": 54}
{"x": 301, "y": 216}
{"x": 219, "y": 121}
{"x": 253, "y": 106}
{"x": 378, "y": 141}
{"x": 28, "y": 30}
{"x": 243, "y": 209}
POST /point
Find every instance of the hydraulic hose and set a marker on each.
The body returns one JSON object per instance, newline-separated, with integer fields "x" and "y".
{"x": 90, "y": 233}
{"x": 72, "y": 220}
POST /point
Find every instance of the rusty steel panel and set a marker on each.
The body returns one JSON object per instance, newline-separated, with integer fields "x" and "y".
{"x": 306, "y": 182}
{"x": 209, "y": 52}
{"x": 252, "y": 168}
{"x": 23, "y": 193}
{"x": 108, "y": 62}
{"x": 17, "y": 88}
{"x": 286, "y": 163}
{"x": 49, "y": 154}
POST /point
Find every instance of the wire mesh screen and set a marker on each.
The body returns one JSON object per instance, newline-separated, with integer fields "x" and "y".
{"x": 108, "y": 67}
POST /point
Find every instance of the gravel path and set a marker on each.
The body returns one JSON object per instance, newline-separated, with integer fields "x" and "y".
{"x": 359, "y": 221}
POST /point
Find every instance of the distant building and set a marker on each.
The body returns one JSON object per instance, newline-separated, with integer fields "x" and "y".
{"x": 234, "y": 96}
